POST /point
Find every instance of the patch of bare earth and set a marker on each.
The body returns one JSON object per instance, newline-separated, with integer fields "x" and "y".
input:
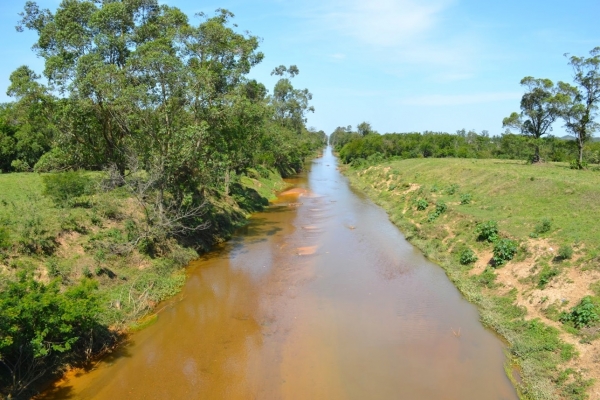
{"x": 567, "y": 288}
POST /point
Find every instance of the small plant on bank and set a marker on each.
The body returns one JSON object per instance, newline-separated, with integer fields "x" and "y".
{"x": 452, "y": 189}
{"x": 543, "y": 226}
{"x": 546, "y": 276}
{"x": 504, "y": 251}
{"x": 582, "y": 315}
{"x": 422, "y": 204}
{"x": 487, "y": 231}
{"x": 467, "y": 256}
{"x": 440, "y": 208}
{"x": 565, "y": 252}
{"x": 465, "y": 198}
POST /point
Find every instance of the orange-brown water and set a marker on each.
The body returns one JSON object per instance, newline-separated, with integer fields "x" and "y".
{"x": 319, "y": 297}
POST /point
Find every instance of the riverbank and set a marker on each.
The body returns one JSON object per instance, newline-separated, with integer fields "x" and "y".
{"x": 52, "y": 248}
{"x": 545, "y": 215}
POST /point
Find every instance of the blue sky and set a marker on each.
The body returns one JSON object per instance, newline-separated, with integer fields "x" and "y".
{"x": 402, "y": 65}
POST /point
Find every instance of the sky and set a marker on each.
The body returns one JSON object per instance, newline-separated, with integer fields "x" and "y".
{"x": 401, "y": 65}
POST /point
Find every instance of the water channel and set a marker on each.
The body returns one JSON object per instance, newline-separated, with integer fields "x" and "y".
{"x": 319, "y": 297}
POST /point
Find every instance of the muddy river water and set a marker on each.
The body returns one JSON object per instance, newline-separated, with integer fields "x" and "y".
{"x": 319, "y": 297}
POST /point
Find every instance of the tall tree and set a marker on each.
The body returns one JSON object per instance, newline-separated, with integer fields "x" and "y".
{"x": 290, "y": 104}
{"x": 581, "y": 105}
{"x": 364, "y": 128}
{"x": 539, "y": 109}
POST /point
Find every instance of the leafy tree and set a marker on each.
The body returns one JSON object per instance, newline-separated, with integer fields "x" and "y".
{"x": 364, "y": 128}
{"x": 290, "y": 104}
{"x": 539, "y": 110}
{"x": 581, "y": 104}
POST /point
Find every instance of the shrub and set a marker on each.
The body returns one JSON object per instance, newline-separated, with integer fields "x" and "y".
{"x": 546, "y": 276}
{"x": 440, "y": 207}
{"x": 465, "y": 198}
{"x": 20, "y": 166}
{"x": 452, "y": 189}
{"x": 64, "y": 187}
{"x": 582, "y": 314}
{"x": 487, "y": 231}
{"x": 422, "y": 204}
{"x": 467, "y": 256}
{"x": 504, "y": 251}
{"x": 54, "y": 160}
{"x": 565, "y": 252}
{"x": 487, "y": 278}
{"x": 543, "y": 226}
{"x": 42, "y": 325}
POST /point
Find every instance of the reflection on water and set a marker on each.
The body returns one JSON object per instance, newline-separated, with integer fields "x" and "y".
{"x": 319, "y": 297}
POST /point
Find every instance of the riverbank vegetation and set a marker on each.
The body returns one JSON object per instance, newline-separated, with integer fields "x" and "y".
{"x": 144, "y": 144}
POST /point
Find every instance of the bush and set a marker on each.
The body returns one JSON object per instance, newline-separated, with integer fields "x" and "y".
{"x": 487, "y": 231}
{"x": 467, "y": 256}
{"x": 582, "y": 315}
{"x": 465, "y": 198}
{"x": 565, "y": 252}
{"x": 546, "y": 276}
{"x": 504, "y": 251}
{"x": 41, "y": 325}
{"x": 543, "y": 226}
{"x": 54, "y": 160}
{"x": 440, "y": 208}
{"x": 452, "y": 189}
{"x": 422, "y": 204}
{"x": 64, "y": 187}
{"x": 20, "y": 166}
{"x": 487, "y": 278}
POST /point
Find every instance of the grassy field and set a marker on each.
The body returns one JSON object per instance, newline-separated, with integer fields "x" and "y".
{"x": 530, "y": 278}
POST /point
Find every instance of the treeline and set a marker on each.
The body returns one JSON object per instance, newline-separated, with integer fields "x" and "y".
{"x": 149, "y": 135}
{"x": 576, "y": 104}
{"x": 354, "y": 147}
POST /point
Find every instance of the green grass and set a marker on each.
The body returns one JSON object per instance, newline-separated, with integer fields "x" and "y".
{"x": 68, "y": 243}
{"x": 547, "y": 201}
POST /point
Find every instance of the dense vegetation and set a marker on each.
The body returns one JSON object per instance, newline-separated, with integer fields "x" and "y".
{"x": 145, "y": 143}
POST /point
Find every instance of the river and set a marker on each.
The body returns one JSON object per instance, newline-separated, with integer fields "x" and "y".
{"x": 318, "y": 297}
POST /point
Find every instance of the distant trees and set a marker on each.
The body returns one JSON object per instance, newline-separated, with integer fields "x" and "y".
{"x": 581, "y": 106}
{"x": 540, "y": 107}
{"x": 577, "y": 105}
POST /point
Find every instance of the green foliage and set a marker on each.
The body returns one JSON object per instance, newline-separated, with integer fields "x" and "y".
{"x": 4, "y": 238}
{"x": 487, "y": 231}
{"x": 64, "y": 187}
{"x": 466, "y": 198}
{"x": 40, "y": 326}
{"x": 543, "y": 226}
{"x": 504, "y": 251}
{"x": 582, "y": 315}
{"x": 467, "y": 256}
{"x": 487, "y": 278}
{"x": 546, "y": 276}
{"x": 452, "y": 189}
{"x": 421, "y": 204}
{"x": 565, "y": 252}
{"x": 440, "y": 208}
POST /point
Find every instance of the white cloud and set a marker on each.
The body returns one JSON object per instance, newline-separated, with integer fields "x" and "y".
{"x": 459, "y": 99}
{"x": 385, "y": 23}
{"x": 338, "y": 56}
